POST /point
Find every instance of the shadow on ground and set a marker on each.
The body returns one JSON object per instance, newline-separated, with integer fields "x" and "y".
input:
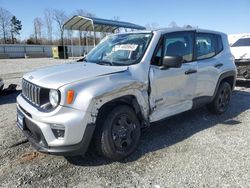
{"x": 9, "y": 97}
{"x": 243, "y": 83}
{"x": 176, "y": 129}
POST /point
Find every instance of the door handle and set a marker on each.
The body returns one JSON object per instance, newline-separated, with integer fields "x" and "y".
{"x": 191, "y": 71}
{"x": 218, "y": 65}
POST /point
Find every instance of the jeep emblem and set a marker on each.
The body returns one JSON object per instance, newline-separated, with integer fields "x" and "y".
{"x": 31, "y": 77}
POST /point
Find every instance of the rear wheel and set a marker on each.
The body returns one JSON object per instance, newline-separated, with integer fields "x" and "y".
{"x": 118, "y": 133}
{"x": 222, "y": 99}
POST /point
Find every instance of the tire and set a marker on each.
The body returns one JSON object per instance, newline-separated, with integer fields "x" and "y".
{"x": 118, "y": 133}
{"x": 220, "y": 103}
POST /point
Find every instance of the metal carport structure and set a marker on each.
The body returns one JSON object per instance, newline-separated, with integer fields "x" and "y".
{"x": 91, "y": 24}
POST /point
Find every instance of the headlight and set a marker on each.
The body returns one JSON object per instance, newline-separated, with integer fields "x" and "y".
{"x": 54, "y": 97}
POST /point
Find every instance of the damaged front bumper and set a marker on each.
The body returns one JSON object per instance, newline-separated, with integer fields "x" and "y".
{"x": 64, "y": 131}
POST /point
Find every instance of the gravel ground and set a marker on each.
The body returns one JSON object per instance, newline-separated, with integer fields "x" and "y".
{"x": 11, "y": 70}
{"x": 194, "y": 149}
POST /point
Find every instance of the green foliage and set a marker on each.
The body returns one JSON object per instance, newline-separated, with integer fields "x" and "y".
{"x": 16, "y": 25}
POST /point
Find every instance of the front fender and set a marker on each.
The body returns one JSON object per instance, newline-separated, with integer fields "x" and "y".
{"x": 140, "y": 96}
{"x": 92, "y": 94}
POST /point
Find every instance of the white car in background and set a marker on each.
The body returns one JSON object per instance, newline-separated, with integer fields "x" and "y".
{"x": 1, "y": 84}
{"x": 241, "y": 51}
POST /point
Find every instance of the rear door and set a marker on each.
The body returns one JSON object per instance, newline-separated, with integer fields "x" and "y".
{"x": 172, "y": 89}
{"x": 208, "y": 48}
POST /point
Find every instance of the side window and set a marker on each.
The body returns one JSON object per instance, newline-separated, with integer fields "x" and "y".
{"x": 179, "y": 44}
{"x": 174, "y": 44}
{"x": 205, "y": 45}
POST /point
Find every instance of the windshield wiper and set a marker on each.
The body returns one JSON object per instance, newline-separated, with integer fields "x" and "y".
{"x": 81, "y": 60}
{"x": 104, "y": 63}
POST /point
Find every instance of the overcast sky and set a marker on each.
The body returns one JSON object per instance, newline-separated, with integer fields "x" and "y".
{"x": 229, "y": 16}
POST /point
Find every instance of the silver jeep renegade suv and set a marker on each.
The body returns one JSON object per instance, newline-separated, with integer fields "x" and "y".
{"x": 124, "y": 84}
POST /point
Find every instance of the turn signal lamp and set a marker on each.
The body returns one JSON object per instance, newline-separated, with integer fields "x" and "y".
{"x": 70, "y": 96}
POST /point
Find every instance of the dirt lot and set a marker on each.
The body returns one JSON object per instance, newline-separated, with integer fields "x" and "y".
{"x": 194, "y": 149}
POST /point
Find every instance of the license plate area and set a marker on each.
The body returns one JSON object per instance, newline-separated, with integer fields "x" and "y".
{"x": 20, "y": 120}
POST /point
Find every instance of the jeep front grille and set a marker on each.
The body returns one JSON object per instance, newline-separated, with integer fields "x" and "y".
{"x": 31, "y": 92}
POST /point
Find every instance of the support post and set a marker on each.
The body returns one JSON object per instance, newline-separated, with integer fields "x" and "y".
{"x": 64, "y": 53}
{"x": 87, "y": 42}
{"x": 80, "y": 54}
{"x": 72, "y": 50}
{"x": 94, "y": 34}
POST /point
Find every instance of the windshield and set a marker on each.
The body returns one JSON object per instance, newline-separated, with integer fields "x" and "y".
{"x": 242, "y": 42}
{"x": 122, "y": 49}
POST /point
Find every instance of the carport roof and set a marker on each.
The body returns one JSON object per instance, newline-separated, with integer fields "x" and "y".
{"x": 83, "y": 23}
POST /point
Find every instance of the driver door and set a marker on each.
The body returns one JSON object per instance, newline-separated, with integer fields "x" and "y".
{"x": 172, "y": 89}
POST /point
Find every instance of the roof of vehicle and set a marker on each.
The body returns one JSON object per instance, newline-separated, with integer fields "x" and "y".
{"x": 177, "y": 29}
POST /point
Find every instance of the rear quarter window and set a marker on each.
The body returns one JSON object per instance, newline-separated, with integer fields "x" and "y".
{"x": 208, "y": 45}
{"x": 205, "y": 45}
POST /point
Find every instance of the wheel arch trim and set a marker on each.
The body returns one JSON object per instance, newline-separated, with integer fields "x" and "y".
{"x": 137, "y": 98}
{"x": 224, "y": 76}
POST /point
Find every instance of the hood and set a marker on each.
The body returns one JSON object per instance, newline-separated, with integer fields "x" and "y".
{"x": 241, "y": 52}
{"x": 57, "y": 76}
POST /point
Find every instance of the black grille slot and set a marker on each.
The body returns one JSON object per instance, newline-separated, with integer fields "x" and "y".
{"x": 34, "y": 133}
{"x": 31, "y": 92}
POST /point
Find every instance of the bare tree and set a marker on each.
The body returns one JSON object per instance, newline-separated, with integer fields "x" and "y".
{"x": 152, "y": 26}
{"x": 172, "y": 24}
{"x": 81, "y": 12}
{"x": 190, "y": 26}
{"x": 5, "y": 23}
{"x": 115, "y": 18}
{"x": 59, "y": 16}
{"x": 38, "y": 29}
{"x": 48, "y": 19}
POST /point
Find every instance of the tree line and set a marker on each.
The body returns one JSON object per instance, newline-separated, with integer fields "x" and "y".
{"x": 48, "y": 29}
{"x": 10, "y": 27}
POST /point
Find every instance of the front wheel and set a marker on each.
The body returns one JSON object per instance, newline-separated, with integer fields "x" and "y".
{"x": 118, "y": 133}
{"x": 222, "y": 99}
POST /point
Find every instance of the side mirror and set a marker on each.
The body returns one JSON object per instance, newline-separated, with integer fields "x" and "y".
{"x": 172, "y": 61}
